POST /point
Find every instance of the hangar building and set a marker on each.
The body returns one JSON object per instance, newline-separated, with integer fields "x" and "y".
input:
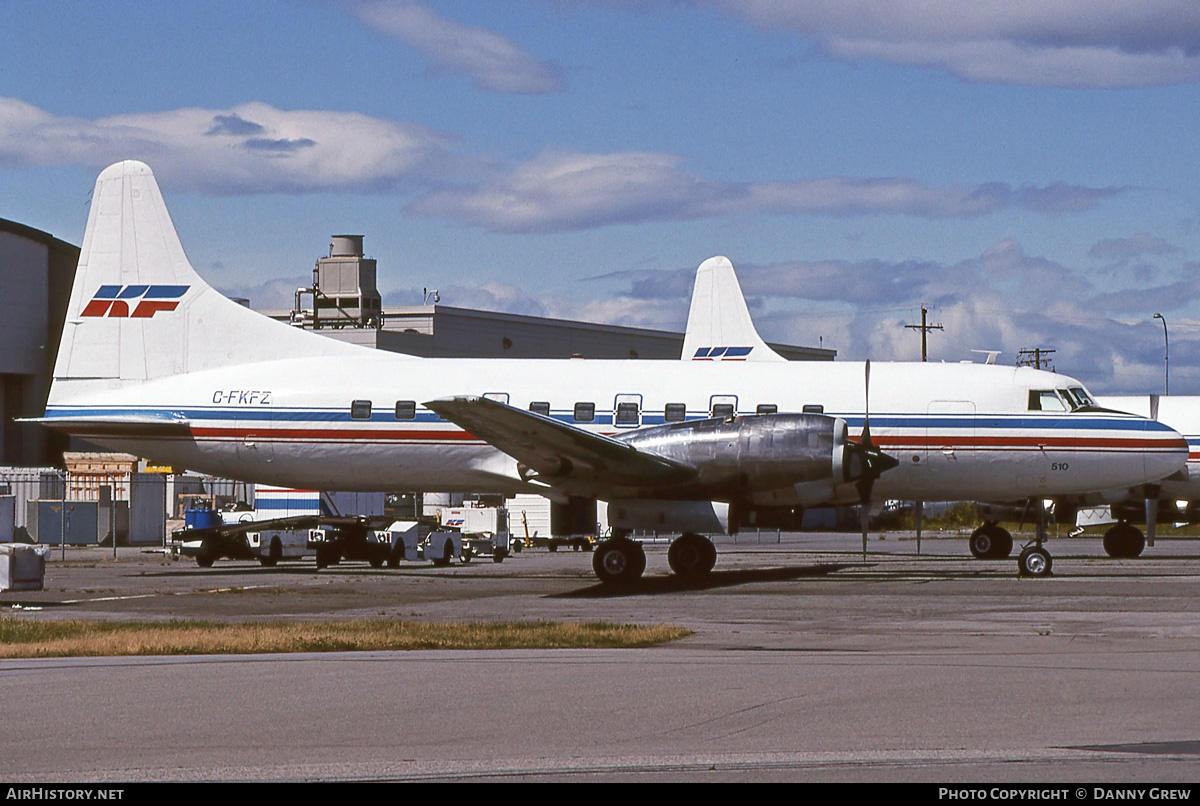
{"x": 36, "y": 270}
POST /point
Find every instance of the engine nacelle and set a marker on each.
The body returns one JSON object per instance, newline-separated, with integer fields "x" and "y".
{"x": 769, "y": 459}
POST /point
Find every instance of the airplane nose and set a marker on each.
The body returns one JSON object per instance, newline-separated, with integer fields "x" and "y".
{"x": 1166, "y": 451}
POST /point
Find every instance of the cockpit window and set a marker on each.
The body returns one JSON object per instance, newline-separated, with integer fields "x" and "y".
{"x": 1082, "y": 397}
{"x": 1046, "y": 400}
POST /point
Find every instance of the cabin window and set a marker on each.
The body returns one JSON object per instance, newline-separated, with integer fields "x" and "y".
{"x": 585, "y": 412}
{"x": 813, "y": 408}
{"x": 767, "y": 408}
{"x": 722, "y": 406}
{"x": 360, "y": 410}
{"x": 627, "y": 413}
{"x": 541, "y": 407}
{"x": 675, "y": 412}
{"x": 406, "y": 409}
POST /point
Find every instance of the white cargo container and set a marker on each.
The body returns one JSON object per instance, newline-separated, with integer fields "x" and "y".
{"x": 22, "y": 567}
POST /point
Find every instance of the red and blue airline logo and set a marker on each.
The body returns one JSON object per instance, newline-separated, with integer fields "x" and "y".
{"x": 722, "y": 354}
{"x": 134, "y": 301}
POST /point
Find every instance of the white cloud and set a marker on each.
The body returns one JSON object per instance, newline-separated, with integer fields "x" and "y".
{"x": 1065, "y": 43}
{"x": 1002, "y": 299}
{"x": 1142, "y": 243}
{"x": 565, "y": 191}
{"x": 256, "y": 148}
{"x": 493, "y": 62}
{"x": 251, "y": 148}
{"x": 558, "y": 191}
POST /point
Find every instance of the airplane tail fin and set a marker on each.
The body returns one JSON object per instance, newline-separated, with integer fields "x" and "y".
{"x": 719, "y": 327}
{"x": 138, "y": 311}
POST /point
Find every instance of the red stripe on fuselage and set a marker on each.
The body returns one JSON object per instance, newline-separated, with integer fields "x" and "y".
{"x": 893, "y": 443}
{"x": 1028, "y": 442}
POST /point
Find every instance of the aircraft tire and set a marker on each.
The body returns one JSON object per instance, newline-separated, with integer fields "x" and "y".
{"x": 1034, "y": 561}
{"x": 691, "y": 556}
{"x": 1124, "y": 542}
{"x": 639, "y": 558}
{"x": 1002, "y": 543}
{"x": 990, "y": 542}
{"x": 980, "y": 543}
{"x": 619, "y": 561}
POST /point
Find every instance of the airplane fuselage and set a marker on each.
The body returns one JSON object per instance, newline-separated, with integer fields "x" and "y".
{"x": 957, "y": 430}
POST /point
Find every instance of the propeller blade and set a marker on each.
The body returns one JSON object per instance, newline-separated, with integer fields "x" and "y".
{"x": 865, "y": 509}
{"x": 866, "y": 432}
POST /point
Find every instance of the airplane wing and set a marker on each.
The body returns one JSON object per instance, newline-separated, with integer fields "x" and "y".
{"x": 556, "y": 452}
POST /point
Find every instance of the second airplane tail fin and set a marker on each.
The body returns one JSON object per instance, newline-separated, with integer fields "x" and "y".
{"x": 138, "y": 311}
{"x": 719, "y": 327}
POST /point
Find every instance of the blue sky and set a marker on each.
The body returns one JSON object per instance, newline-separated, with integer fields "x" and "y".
{"x": 1025, "y": 168}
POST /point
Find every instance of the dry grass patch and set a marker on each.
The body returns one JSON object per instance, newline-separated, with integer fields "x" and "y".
{"x": 20, "y": 638}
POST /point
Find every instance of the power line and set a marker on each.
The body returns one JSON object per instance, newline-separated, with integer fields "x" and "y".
{"x": 1038, "y": 358}
{"x": 924, "y": 328}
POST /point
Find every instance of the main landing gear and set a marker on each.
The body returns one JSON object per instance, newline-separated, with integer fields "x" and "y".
{"x": 1124, "y": 541}
{"x": 621, "y": 561}
{"x": 991, "y": 542}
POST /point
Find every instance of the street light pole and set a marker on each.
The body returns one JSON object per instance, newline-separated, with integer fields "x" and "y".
{"x": 1166, "y": 355}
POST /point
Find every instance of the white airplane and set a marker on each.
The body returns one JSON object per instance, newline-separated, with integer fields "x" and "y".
{"x": 155, "y": 362}
{"x": 719, "y": 316}
{"x": 1162, "y": 500}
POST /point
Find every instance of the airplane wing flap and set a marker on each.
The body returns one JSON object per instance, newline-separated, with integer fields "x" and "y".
{"x": 555, "y": 450}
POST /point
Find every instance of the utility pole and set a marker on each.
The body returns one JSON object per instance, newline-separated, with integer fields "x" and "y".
{"x": 924, "y": 328}
{"x": 1038, "y": 357}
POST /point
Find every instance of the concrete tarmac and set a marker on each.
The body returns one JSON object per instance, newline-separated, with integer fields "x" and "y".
{"x": 807, "y": 663}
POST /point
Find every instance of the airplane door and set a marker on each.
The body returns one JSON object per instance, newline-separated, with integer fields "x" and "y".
{"x": 949, "y": 448}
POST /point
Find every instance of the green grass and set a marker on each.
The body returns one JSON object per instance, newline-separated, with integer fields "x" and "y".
{"x": 20, "y": 638}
